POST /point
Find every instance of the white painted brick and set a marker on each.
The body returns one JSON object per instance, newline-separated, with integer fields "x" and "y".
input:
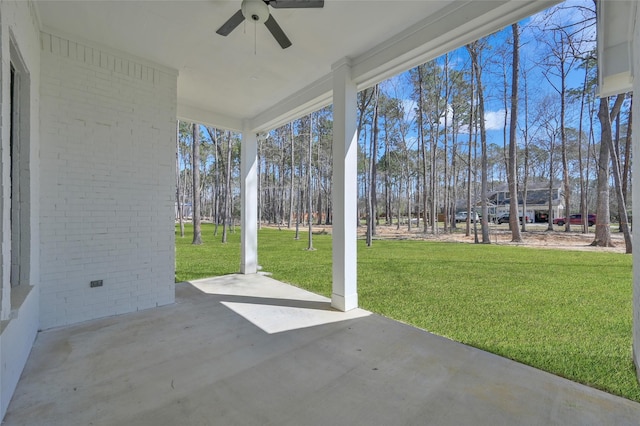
{"x": 106, "y": 176}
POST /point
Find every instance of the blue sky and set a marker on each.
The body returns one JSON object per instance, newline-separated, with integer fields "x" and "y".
{"x": 532, "y": 49}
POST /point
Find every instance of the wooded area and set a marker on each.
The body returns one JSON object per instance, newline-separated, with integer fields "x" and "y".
{"x": 425, "y": 154}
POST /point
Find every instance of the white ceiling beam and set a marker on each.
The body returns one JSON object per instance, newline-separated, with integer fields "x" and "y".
{"x": 315, "y": 96}
{"x": 208, "y": 118}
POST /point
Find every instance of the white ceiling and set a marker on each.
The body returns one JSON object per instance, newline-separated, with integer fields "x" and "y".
{"x": 223, "y": 82}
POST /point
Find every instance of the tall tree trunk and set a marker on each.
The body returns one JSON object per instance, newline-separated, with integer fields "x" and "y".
{"x": 469, "y": 157}
{"x": 282, "y": 183}
{"x": 213, "y": 135}
{"x": 197, "y": 230}
{"x": 261, "y": 202}
{"x": 627, "y": 152}
{"x": 433, "y": 177}
{"x": 454, "y": 172}
{"x": 513, "y": 161}
{"x": 185, "y": 180}
{"x": 216, "y": 206}
{"x": 583, "y": 188}
{"x": 373, "y": 157}
{"x": 179, "y": 194}
{"x": 374, "y": 160}
{"x": 300, "y": 189}
{"x": 615, "y": 164}
{"x": 319, "y": 205}
{"x": 227, "y": 191}
{"x": 319, "y": 177}
{"x": 473, "y": 50}
{"x": 388, "y": 219}
{"x": 292, "y": 176}
{"x": 603, "y": 232}
{"x": 563, "y": 140}
{"x": 409, "y": 207}
{"x": 447, "y": 189}
{"x": 423, "y": 148}
{"x": 399, "y": 199}
{"x": 525, "y": 179}
{"x": 364, "y": 100}
{"x": 309, "y": 177}
{"x": 551, "y": 176}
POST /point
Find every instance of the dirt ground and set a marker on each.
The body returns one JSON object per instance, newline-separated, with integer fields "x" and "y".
{"x": 535, "y": 236}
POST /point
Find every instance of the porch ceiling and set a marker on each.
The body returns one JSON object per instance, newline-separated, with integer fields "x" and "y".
{"x": 222, "y": 81}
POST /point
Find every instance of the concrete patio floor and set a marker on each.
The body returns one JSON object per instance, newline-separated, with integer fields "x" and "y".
{"x": 249, "y": 350}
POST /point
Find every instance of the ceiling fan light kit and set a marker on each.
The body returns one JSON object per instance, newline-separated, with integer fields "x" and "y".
{"x": 257, "y": 11}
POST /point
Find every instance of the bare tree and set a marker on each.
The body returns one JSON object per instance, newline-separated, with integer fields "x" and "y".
{"x": 197, "y": 230}
{"x": 373, "y": 161}
{"x": 627, "y": 151}
{"x": 309, "y": 180}
{"x": 179, "y": 194}
{"x": 472, "y": 113}
{"x": 474, "y": 51}
{"x": 513, "y": 163}
{"x": 292, "y": 175}
{"x": 583, "y": 184}
{"x": 227, "y": 191}
{"x": 423, "y": 147}
{"x": 605, "y": 123}
{"x": 525, "y": 137}
{"x": 603, "y": 231}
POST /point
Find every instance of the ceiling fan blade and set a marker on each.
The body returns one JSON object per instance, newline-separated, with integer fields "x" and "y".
{"x": 277, "y": 32}
{"x": 296, "y": 4}
{"x": 231, "y": 24}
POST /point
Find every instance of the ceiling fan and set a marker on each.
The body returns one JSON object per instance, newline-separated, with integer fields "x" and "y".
{"x": 258, "y": 11}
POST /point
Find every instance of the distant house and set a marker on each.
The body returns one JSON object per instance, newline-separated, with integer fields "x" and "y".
{"x": 187, "y": 211}
{"x": 537, "y": 201}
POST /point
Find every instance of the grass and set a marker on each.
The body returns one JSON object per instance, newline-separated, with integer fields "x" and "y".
{"x": 566, "y": 312}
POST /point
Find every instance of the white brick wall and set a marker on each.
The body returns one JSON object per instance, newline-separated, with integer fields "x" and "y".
{"x": 107, "y": 182}
{"x": 20, "y": 44}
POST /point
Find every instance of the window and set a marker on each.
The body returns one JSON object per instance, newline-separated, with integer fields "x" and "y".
{"x": 19, "y": 178}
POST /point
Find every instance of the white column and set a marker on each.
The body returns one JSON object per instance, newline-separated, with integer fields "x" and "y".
{"x": 635, "y": 135}
{"x": 249, "y": 202}
{"x": 345, "y": 185}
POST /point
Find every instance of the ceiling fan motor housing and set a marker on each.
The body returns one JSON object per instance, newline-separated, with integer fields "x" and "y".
{"x": 255, "y": 10}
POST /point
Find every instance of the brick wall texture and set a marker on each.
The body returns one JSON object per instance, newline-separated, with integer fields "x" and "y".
{"x": 107, "y": 186}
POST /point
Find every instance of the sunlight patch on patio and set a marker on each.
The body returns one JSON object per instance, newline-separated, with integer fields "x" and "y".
{"x": 198, "y": 362}
{"x": 272, "y": 306}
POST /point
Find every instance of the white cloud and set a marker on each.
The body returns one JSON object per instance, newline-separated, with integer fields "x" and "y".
{"x": 409, "y": 106}
{"x": 494, "y": 120}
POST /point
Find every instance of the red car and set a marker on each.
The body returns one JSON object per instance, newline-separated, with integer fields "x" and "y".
{"x": 575, "y": 219}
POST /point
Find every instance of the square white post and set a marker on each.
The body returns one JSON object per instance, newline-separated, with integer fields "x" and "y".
{"x": 249, "y": 202}
{"x": 345, "y": 185}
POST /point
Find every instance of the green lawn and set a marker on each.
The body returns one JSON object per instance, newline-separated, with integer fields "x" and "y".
{"x": 566, "y": 312}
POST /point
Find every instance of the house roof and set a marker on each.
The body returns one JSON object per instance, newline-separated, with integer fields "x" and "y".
{"x": 532, "y": 185}
{"x": 245, "y": 80}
